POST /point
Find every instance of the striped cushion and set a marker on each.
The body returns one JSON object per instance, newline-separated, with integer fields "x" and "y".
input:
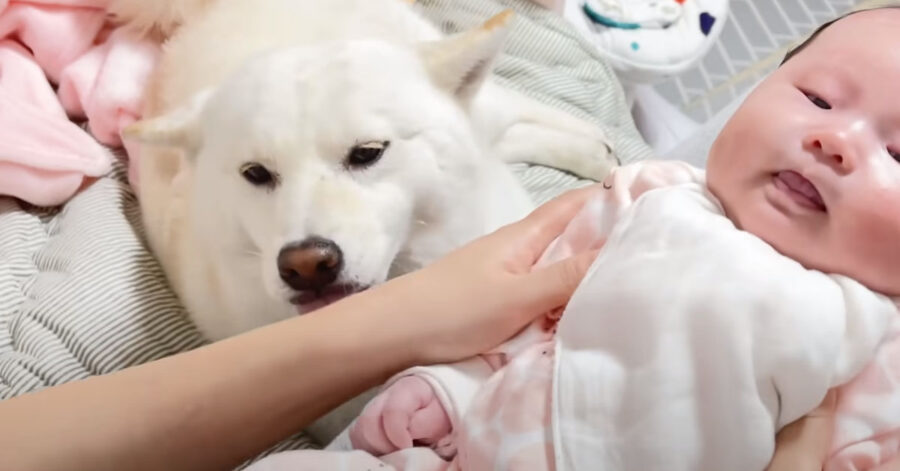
{"x": 546, "y": 59}
{"x": 80, "y": 295}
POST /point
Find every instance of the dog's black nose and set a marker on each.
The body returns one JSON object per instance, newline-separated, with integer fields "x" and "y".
{"x": 310, "y": 265}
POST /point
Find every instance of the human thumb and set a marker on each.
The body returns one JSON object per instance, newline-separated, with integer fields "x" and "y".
{"x": 551, "y": 286}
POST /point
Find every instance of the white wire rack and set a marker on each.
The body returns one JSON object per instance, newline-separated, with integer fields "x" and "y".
{"x": 756, "y": 37}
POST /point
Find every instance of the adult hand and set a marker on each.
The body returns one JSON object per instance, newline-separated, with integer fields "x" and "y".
{"x": 483, "y": 293}
{"x": 804, "y": 444}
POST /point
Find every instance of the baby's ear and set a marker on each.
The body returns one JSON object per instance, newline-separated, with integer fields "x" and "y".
{"x": 460, "y": 63}
{"x": 179, "y": 128}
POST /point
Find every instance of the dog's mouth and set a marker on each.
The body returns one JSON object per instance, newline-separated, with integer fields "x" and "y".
{"x": 308, "y": 301}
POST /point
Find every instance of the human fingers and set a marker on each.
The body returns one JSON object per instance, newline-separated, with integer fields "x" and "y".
{"x": 892, "y": 465}
{"x": 430, "y": 423}
{"x": 395, "y": 423}
{"x": 804, "y": 444}
{"x": 549, "y": 287}
{"x": 367, "y": 433}
{"x": 549, "y": 220}
{"x": 406, "y": 397}
{"x": 823, "y": 422}
{"x": 827, "y": 407}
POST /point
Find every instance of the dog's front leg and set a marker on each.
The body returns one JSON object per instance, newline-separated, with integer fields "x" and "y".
{"x": 520, "y": 129}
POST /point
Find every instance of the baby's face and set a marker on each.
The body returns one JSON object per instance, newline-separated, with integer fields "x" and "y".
{"x": 810, "y": 163}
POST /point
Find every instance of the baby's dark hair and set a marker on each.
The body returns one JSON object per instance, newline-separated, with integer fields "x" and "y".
{"x": 793, "y": 52}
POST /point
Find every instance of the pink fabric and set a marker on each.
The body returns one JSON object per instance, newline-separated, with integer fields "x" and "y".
{"x": 867, "y": 429}
{"x": 509, "y": 424}
{"x": 508, "y": 427}
{"x": 100, "y": 74}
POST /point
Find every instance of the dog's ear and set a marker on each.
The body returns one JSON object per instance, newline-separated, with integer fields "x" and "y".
{"x": 460, "y": 63}
{"x": 178, "y": 128}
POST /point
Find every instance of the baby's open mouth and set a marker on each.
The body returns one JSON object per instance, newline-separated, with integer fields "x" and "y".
{"x": 308, "y": 301}
{"x": 799, "y": 189}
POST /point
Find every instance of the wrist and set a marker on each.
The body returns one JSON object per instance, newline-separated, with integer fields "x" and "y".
{"x": 367, "y": 331}
{"x": 400, "y": 317}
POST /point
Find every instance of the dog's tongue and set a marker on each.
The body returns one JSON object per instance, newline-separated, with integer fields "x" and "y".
{"x": 319, "y": 302}
{"x": 310, "y": 302}
{"x": 797, "y": 183}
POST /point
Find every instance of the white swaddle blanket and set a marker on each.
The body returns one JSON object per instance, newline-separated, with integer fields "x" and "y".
{"x": 686, "y": 347}
{"x": 690, "y": 343}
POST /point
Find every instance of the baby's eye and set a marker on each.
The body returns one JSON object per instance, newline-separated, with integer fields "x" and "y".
{"x": 894, "y": 153}
{"x": 816, "y": 100}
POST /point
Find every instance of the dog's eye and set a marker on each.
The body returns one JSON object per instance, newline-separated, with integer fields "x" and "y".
{"x": 364, "y": 155}
{"x": 258, "y": 175}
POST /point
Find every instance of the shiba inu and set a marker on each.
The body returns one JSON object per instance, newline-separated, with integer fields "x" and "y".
{"x": 295, "y": 151}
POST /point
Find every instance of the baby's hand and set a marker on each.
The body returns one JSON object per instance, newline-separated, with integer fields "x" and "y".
{"x": 408, "y": 413}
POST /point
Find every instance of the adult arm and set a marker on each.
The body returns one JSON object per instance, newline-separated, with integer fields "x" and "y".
{"x": 218, "y": 405}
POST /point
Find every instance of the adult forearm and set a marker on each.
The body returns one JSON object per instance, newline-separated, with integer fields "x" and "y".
{"x": 206, "y": 409}
{"x": 216, "y": 406}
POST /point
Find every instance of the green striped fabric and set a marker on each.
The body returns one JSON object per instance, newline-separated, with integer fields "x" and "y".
{"x": 80, "y": 294}
{"x": 546, "y": 59}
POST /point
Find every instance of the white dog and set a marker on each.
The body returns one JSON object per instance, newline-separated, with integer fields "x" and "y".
{"x": 295, "y": 151}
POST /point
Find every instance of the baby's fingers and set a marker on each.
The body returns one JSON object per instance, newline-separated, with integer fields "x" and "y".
{"x": 430, "y": 424}
{"x": 367, "y": 433}
{"x": 396, "y": 427}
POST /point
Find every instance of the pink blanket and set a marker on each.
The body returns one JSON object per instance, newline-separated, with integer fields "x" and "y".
{"x": 62, "y": 60}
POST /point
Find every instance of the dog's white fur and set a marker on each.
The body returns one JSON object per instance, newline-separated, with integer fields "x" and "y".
{"x": 293, "y": 85}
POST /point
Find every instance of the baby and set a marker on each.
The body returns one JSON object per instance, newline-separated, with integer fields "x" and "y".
{"x": 722, "y": 305}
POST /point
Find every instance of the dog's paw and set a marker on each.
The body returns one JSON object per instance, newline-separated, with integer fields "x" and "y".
{"x": 591, "y": 157}
{"x": 581, "y": 150}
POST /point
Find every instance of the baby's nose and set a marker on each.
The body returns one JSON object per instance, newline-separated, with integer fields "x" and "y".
{"x": 835, "y": 148}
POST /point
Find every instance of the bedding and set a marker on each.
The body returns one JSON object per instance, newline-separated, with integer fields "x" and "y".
{"x": 62, "y": 59}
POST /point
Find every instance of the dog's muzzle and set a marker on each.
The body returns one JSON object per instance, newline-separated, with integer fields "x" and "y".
{"x": 311, "y": 268}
